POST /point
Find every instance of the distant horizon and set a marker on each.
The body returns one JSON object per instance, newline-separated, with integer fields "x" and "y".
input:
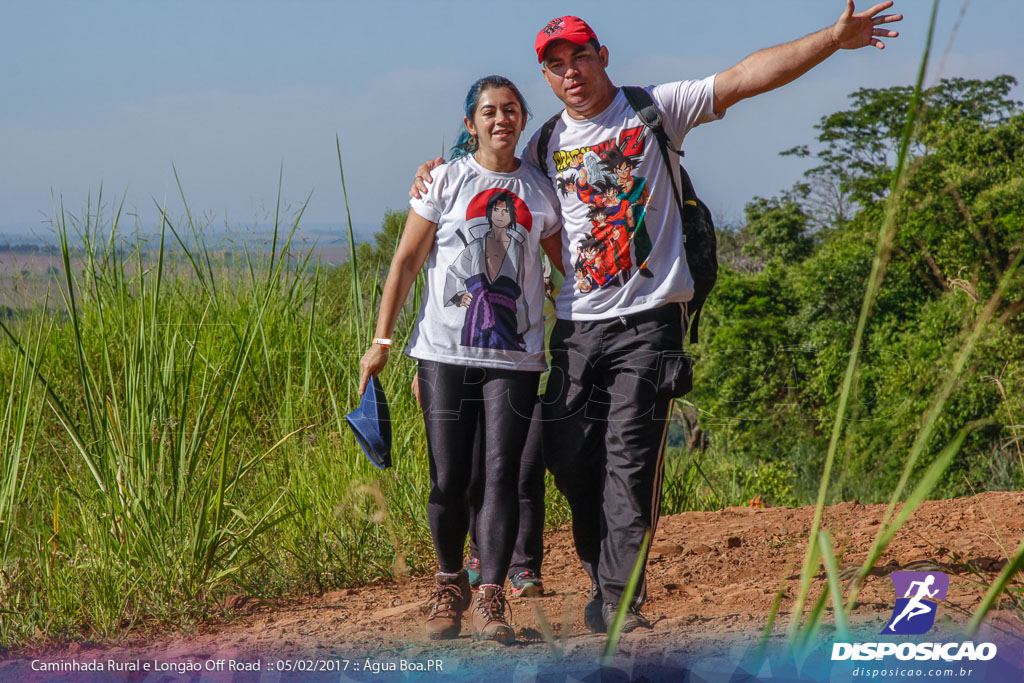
{"x": 362, "y": 231}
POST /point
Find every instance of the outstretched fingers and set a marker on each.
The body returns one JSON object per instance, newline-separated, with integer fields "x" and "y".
{"x": 880, "y": 7}
{"x": 857, "y": 30}
{"x": 882, "y": 32}
{"x": 887, "y": 19}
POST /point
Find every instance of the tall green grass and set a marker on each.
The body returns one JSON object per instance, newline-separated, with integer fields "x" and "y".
{"x": 174, "y": 434}
{"x": 18, "y": 431}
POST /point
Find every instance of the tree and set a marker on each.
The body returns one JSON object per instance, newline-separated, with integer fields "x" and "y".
{"x": 385, "y": 241}
{"x": 858, "y": 146}
{"x": 779, "y": 230}
{"x": 777, "y": 338}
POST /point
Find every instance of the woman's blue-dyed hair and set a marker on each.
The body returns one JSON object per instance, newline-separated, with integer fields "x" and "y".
{"x": 466, "y": 144}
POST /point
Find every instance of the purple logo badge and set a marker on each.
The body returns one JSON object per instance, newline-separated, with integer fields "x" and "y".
{"x": 917, "y": 597}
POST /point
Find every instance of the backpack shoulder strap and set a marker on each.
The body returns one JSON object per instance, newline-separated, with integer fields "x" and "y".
{"x": 544, "y": 139}
{"x": 643, "y": 105}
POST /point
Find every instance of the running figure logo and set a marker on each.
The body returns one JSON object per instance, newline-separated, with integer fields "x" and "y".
{"x": 917, "y": 599}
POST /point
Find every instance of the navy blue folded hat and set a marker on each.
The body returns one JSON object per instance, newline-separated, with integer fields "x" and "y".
{"x": 371, "y": 422}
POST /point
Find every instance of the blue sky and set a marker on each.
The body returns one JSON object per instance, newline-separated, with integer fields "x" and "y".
{"x": 120, "y": 93}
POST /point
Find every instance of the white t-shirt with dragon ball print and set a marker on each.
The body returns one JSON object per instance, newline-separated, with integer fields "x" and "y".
{"x": 622, "y": 248}
{"x": 483, "y": 301}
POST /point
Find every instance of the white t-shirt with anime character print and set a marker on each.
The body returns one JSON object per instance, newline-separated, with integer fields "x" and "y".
{"x": 623, "y": 247}
{"x": 484, "y": 295}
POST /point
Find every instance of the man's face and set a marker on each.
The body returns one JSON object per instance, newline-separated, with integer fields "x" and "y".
{"x": 576, "y": 74}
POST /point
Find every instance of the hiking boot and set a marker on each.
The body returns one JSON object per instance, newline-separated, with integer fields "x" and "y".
{"x": 449, "y": 600}
{"x": 632, "y": 621}
{"x": 526, "y": 584}
{"x": 593, "y": 618}
{"x": 488, "y": 618}
{"x": 473, "y": 571}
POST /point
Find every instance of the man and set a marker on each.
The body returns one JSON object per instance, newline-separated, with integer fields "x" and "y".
{"x": 616, "y": 362}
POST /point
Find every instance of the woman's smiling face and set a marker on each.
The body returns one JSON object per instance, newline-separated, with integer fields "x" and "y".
{"x": 498, "y": 121}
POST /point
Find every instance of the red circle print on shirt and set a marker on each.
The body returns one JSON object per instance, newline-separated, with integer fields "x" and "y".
{"x": 478, "y": 207}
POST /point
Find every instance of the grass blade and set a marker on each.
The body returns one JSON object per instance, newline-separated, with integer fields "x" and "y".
{"x": 825, "y": 541}
{"x": 615, "y": 628}
{"x": 357, "y": 307}
{"x": 883, "y": 247}
{"x": 1015, "y": 565}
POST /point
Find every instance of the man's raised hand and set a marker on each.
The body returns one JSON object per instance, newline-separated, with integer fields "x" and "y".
{"x": 852, "y": 31}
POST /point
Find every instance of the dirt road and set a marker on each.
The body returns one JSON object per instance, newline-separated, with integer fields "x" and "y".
{"x": 712, "y": 579}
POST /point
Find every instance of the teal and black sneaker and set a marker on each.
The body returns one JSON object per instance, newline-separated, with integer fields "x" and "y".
{"x": 526, "y": 584}
{"x": 473, "y": 571}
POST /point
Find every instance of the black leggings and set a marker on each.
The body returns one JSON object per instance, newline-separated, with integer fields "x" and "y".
{"x": 528, "y": 553}
{"x": 453, "y": 397}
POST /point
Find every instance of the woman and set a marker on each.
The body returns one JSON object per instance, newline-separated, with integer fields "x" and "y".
{"x": 478, "y": 340}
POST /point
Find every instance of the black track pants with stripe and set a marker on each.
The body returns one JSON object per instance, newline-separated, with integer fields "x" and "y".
{"x": 605, "y": 421}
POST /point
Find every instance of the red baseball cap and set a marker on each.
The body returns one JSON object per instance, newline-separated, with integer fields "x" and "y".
{"x": 570, "y": 28}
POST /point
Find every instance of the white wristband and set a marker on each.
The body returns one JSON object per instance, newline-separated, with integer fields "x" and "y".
{"x": 383, "y": 341}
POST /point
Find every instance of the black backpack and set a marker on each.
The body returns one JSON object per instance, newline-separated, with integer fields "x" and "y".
{"x": 698, "y": 227}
